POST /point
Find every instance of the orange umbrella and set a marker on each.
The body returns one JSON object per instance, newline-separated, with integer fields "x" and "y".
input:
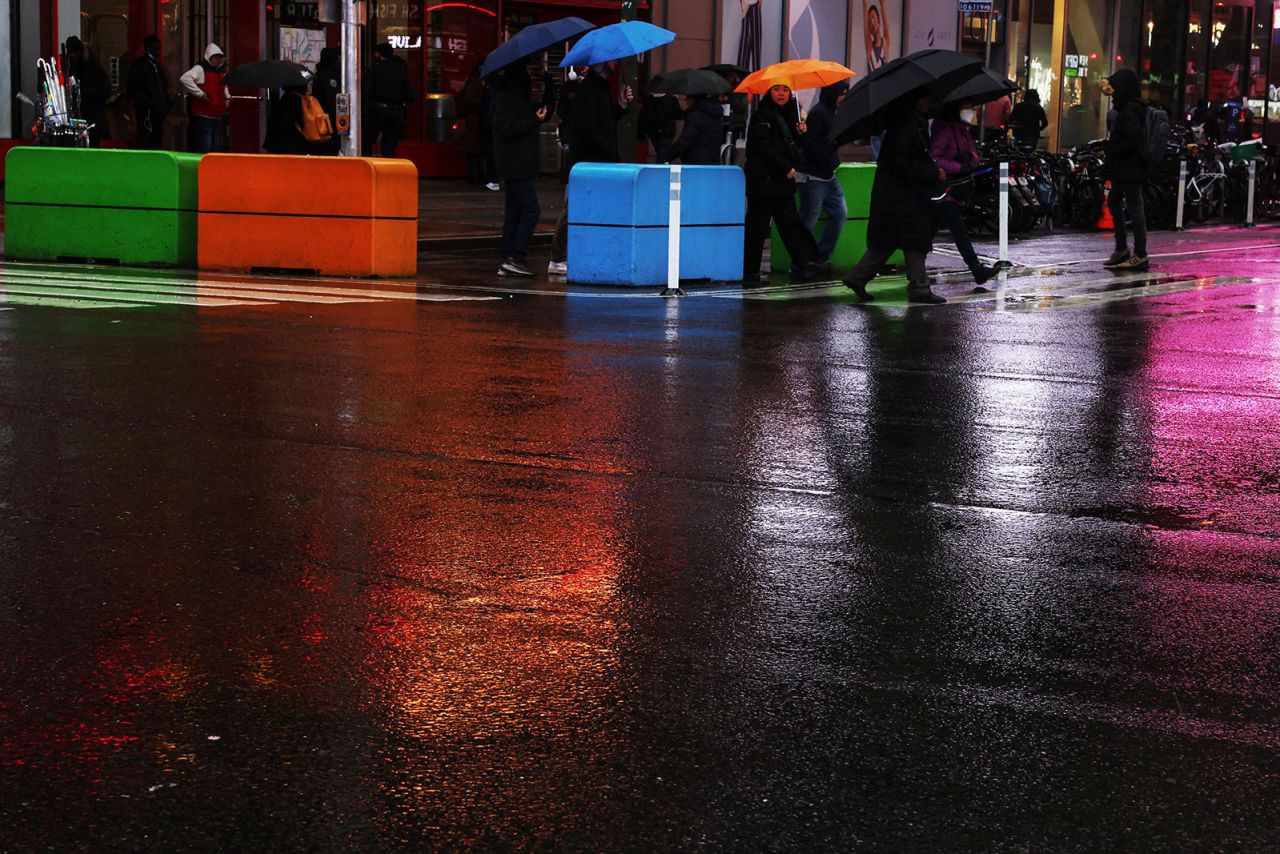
{"x": 795, "y": 74}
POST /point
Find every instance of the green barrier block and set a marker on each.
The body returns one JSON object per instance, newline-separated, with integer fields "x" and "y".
{"x": 131, "y": 207}
{"x": 855, "y": 179}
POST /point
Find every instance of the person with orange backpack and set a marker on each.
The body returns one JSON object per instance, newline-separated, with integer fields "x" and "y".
{"x": 284, "y": 123}
{"x": 209, "y": 99}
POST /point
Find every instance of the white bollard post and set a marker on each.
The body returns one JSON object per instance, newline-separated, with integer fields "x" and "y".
{"x": 1182, "y": 195}
{"x": 673, "y": 237}
{"x": 1253, "y": 178}
{"x": 1004, "y": 214}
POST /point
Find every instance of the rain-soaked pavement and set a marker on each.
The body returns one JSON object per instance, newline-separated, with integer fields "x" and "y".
{"x": 306, "y": 564}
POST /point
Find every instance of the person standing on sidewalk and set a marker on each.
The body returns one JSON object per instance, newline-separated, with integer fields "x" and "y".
{"x": 95, "y": 88}
{"x": 816, "y": 175}
{"x": 387, "y": 92}
{"x": 906, "y": 181}
{"x": 772, "y": 158}
{"x": 325, "y": 86}
{"x": 149, "y": 92}
{"x": 951, "y": 144}
{"x": 1126, "y": 169}
{"x": 1028, "y": 120}
{"x": 517, "y": 124}
{"x": 209, "y": 98}
{"x": 594, "y": 117}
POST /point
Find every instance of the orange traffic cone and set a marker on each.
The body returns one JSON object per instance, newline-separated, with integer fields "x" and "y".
{"x": 1105, "y": 223}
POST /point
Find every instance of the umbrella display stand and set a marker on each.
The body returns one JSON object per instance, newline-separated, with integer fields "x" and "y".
{"x": 58, "y": 123}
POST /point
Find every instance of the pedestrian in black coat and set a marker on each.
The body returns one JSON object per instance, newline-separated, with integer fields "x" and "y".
{"x": 595, "y": 117}
{"x": 516, "y": 123}
{"x": 325, "y": 87}
{"x": 700, "y": 139}
{"x": 907, "y": 179}
{"x": 284, "y": 124}
{"x": 387, "y": 92}
{"x": 95, "y": 88}
{"x": 1127, "y": 170}
{"x": 772, "y": 158}
{"x": 149, "y": 90}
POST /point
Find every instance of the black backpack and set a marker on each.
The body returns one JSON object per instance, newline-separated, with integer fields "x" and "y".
{"x": 1155, "y": 135}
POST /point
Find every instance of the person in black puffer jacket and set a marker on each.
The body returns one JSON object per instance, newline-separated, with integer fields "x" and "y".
{"x": 516, "y": 125}
{"x": 1127, "y": 170}
{"x": 703, "y": 134}
{"x": 772, "y": 158}
{"x": 906, "y": 180}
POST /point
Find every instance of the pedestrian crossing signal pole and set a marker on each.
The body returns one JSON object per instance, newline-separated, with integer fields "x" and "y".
{"x": 352, "y": 19}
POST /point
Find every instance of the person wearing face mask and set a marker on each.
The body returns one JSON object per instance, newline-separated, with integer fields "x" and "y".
{"x": 149, "y": 92}
{"x": 906, "y": 181}
{"x": 952, "y": 148}
{"x": 772, "y": 158}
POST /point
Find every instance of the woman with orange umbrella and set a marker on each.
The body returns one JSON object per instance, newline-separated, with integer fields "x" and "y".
{"x": 772, "y": 159}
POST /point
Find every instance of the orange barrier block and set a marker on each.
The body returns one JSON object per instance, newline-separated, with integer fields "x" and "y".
{"x": 345, "y": 216}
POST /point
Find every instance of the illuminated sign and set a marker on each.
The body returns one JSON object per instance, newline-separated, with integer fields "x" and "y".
{"x": 405, "y": 42}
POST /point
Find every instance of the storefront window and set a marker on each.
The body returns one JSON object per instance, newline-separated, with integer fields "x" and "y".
{"x": 1273, "y": 86}
{"x": 1163, "y": 33}
{"x": 1082, "y": 111}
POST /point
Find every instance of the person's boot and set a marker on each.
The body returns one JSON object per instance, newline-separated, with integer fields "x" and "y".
{"x": 983, "y": 274}
{"x": 859, "y": 288}
{"x": 923, "y": 294}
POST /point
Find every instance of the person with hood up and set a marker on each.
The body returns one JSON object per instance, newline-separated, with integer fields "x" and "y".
{"x": 149, "y": 91}
{"x": 517, "y": 124}
{"x": 1126, "y": 169}
{"x": 702, "y": 135}
{"x": 209, "y": 98}
{"x": 952, "y": 148}
{"x": 906, "y": 181}
{"x": 95, "y": 88}
{"x": 325, "y": 86}
{"x": 816, "y": 175}
{"x": 772, "y": 158}
{"x": 1028, "y": 119}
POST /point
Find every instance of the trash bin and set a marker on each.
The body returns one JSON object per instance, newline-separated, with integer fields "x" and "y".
{"x": 441, "y": 113}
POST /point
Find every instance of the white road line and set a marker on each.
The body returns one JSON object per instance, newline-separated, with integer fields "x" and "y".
{"x": 247, "y": 290}
{"x": 58, "y": 302}
{"x": 12, "y": 289}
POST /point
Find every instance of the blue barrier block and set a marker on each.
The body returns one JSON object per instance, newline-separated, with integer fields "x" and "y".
{"x": 618, "y": 223}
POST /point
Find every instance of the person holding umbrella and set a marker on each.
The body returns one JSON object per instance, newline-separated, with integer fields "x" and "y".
{"x": 772, "y": 158}
{"x": 907, "y": 178}
{"x": 516, "y": 123}
{"x": 703, "y": 133}
{"x": 284, "y": 124}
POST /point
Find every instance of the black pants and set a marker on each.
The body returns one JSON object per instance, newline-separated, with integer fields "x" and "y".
{"x": 520, "y": 218}
{"x": 873, "y": 261}
{"x": 1127, "y": 195}
{"x": 150, "y": 129}
{"x": 953, "y": 218}
{"x": 385, "y": 123}
{"x": 782, "y": 210}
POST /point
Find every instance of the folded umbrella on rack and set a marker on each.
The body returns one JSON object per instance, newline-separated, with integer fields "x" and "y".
{"x": 934, "y": 71}
{"x": 269, "y": 74}
{"x": 531, "y": 40}
{"x": 617, "y": 41}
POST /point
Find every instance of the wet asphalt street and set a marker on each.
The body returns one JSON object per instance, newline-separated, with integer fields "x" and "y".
{"x": 318, "y": 565}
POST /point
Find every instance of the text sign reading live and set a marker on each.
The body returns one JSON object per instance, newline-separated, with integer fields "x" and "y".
{"x": 974, "y": 5}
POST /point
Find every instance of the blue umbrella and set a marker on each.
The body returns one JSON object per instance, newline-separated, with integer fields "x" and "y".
{"x": 531, "y": 40}
{"x": 617, "y": 41}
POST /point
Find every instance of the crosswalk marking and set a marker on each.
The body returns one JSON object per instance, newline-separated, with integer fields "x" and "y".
{"x": 36, "y": 286}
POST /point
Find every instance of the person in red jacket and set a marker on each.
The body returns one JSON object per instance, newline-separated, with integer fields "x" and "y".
{"x": 209, "y": 98}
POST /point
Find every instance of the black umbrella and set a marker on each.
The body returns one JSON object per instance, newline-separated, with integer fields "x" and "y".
{"x": 269, "y": 74}
{"x": 533, "y": 39}
{"x": 934, "y": 71}
{"x": 987, "y": 86}
{"x": 724, "y": 69}
{"x": 689, "y": 81}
